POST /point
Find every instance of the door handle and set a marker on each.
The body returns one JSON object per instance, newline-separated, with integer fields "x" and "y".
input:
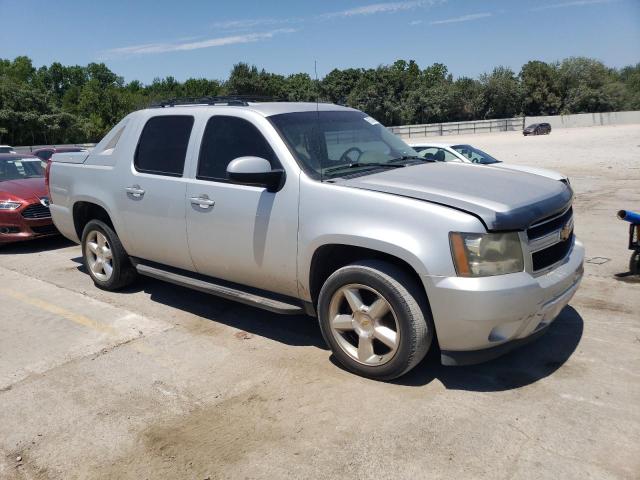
{"x": 135, "y": 191}
{"x": 203, "y": 201}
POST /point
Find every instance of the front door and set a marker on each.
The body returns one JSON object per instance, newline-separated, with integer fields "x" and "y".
{"x": 241, "y": 233}
{"x": 153, "y": 191}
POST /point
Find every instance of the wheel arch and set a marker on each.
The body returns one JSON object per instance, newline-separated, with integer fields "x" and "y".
{"x": 90, "y": 209}
{"x": 329, "y": 257}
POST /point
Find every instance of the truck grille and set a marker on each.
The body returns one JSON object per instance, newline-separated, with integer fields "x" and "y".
{"x": 547, "y": 257}
{"x": 36, "y": 211}
{"x": 551, "y": 240}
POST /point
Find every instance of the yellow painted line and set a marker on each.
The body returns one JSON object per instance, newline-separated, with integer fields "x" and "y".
{"x": 56, "y": 310}
{"x": 78, "y": 319}
{"x": 146, "y": 349}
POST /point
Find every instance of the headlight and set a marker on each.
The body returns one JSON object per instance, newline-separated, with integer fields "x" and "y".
{"x": 486, "y": 254}
{"x": 9, "y": 205}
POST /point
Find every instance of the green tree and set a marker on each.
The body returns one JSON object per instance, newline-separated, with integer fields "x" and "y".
{"x": 630, "y": 77}
{"x": 584, "y": 86}
{"x": 58, "y": 103}
{"x": 540, "y": 88}
{"x": 468, "y": 99}
{"x": 502, "y": 93}
{"x": 338, "y": 84}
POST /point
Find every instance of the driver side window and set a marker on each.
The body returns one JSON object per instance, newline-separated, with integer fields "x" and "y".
{"x": 438, "y": 154}
{"x": 227, "y": 138}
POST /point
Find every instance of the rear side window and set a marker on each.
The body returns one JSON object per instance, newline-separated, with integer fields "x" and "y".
{"x": 163, "y": 145}
{"x": 45, "y": 155}
{"x": 224, "y": 140}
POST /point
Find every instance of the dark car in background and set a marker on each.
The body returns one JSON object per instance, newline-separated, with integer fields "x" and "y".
{"x": 24, "y": 202}
{"x": 537, "y": 129}
{"x": 47, "y": 152}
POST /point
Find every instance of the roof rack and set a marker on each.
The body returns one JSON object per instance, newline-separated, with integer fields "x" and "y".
{"x": 232, "y": 100}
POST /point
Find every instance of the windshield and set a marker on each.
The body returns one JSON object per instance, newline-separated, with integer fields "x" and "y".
{"x": 6, "y": 150}
{"x": 475, "y": 155}
{"x": 20, "y": 168}
{"x": 330, "y": 144}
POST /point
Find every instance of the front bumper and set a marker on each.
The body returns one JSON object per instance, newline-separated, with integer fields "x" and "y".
{"x": 15, "y": 228}
{"x": 478, "y": 319}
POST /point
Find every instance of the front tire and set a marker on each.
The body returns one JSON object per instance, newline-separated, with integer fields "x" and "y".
{"x": 375, "y": 318}
{"x": 105, "y": 258}
{"x": 634, "y": 263}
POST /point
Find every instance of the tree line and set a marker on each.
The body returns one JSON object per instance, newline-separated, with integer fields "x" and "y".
{"x": 59, "y": 104}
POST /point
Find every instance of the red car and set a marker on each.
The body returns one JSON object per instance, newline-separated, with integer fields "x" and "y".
{"x": 24, "y": 202}
{"x": 47, "y": 152}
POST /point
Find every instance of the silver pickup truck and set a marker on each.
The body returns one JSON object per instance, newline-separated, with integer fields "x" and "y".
{"x": 319, "y": 209}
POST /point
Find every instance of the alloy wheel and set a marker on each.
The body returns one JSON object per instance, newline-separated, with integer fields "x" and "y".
{"x": 364, "y": 324}
{"x": 99, "y": 256}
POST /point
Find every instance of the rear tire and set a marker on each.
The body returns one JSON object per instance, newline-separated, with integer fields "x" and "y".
{"x": 375, "y": 318}
{"x": 105, "y": 258}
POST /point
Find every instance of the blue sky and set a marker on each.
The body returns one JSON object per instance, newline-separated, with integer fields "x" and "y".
{"x": 146, "y": 39}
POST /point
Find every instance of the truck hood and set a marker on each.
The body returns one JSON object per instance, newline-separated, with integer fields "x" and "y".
{"x": 535, "y": 170}
{"x": 502, "y": 199}
{"x": 26, "y": 189}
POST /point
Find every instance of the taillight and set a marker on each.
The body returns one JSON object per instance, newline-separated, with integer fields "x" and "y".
{"x": 47, "y": 172}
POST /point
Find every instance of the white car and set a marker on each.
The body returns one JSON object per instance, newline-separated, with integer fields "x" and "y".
{"x": 454, "y": 152}
{"x": 7, "y": 149}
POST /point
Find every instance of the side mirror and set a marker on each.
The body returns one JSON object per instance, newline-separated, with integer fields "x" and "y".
{"x": 255, "y": 171}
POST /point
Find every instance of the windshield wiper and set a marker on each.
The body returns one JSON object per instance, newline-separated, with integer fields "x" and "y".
{"x": 411, "y": 157}
{"x": 366, "y": 164}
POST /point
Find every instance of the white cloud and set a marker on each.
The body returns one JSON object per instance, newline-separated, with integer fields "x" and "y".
{"x": 464, "y": 18}
{"x": 575, "y": 3}
{"x": 248, "y": 24}
{"x": 151, "y": 48}
{"x": 371, "y": 9}
{"x": 415, "y": 22}
{"x": 388, "y": 7}
{"x": 253, "y": 22}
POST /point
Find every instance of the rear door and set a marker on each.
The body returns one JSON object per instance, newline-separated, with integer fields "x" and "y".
{"x": 241, "y": 233}
{"x": 153, "y": 190}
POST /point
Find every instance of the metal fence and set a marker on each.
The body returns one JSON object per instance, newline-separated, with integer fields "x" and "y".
{"x": 457, "y": 128}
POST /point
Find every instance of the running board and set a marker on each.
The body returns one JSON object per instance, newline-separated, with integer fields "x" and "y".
{"x": 226, "y": 292}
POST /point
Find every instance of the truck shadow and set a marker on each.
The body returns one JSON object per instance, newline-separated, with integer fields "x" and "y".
{"x": 35, "y": 246}
{"x": 295, "y": 330}
{"x": 521, "y": 367}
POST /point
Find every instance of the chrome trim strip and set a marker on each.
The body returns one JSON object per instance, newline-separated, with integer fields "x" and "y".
{"x": 552, "y": 218}
{"x": 541, "y": 243}
{"x": 550, "y": 239}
